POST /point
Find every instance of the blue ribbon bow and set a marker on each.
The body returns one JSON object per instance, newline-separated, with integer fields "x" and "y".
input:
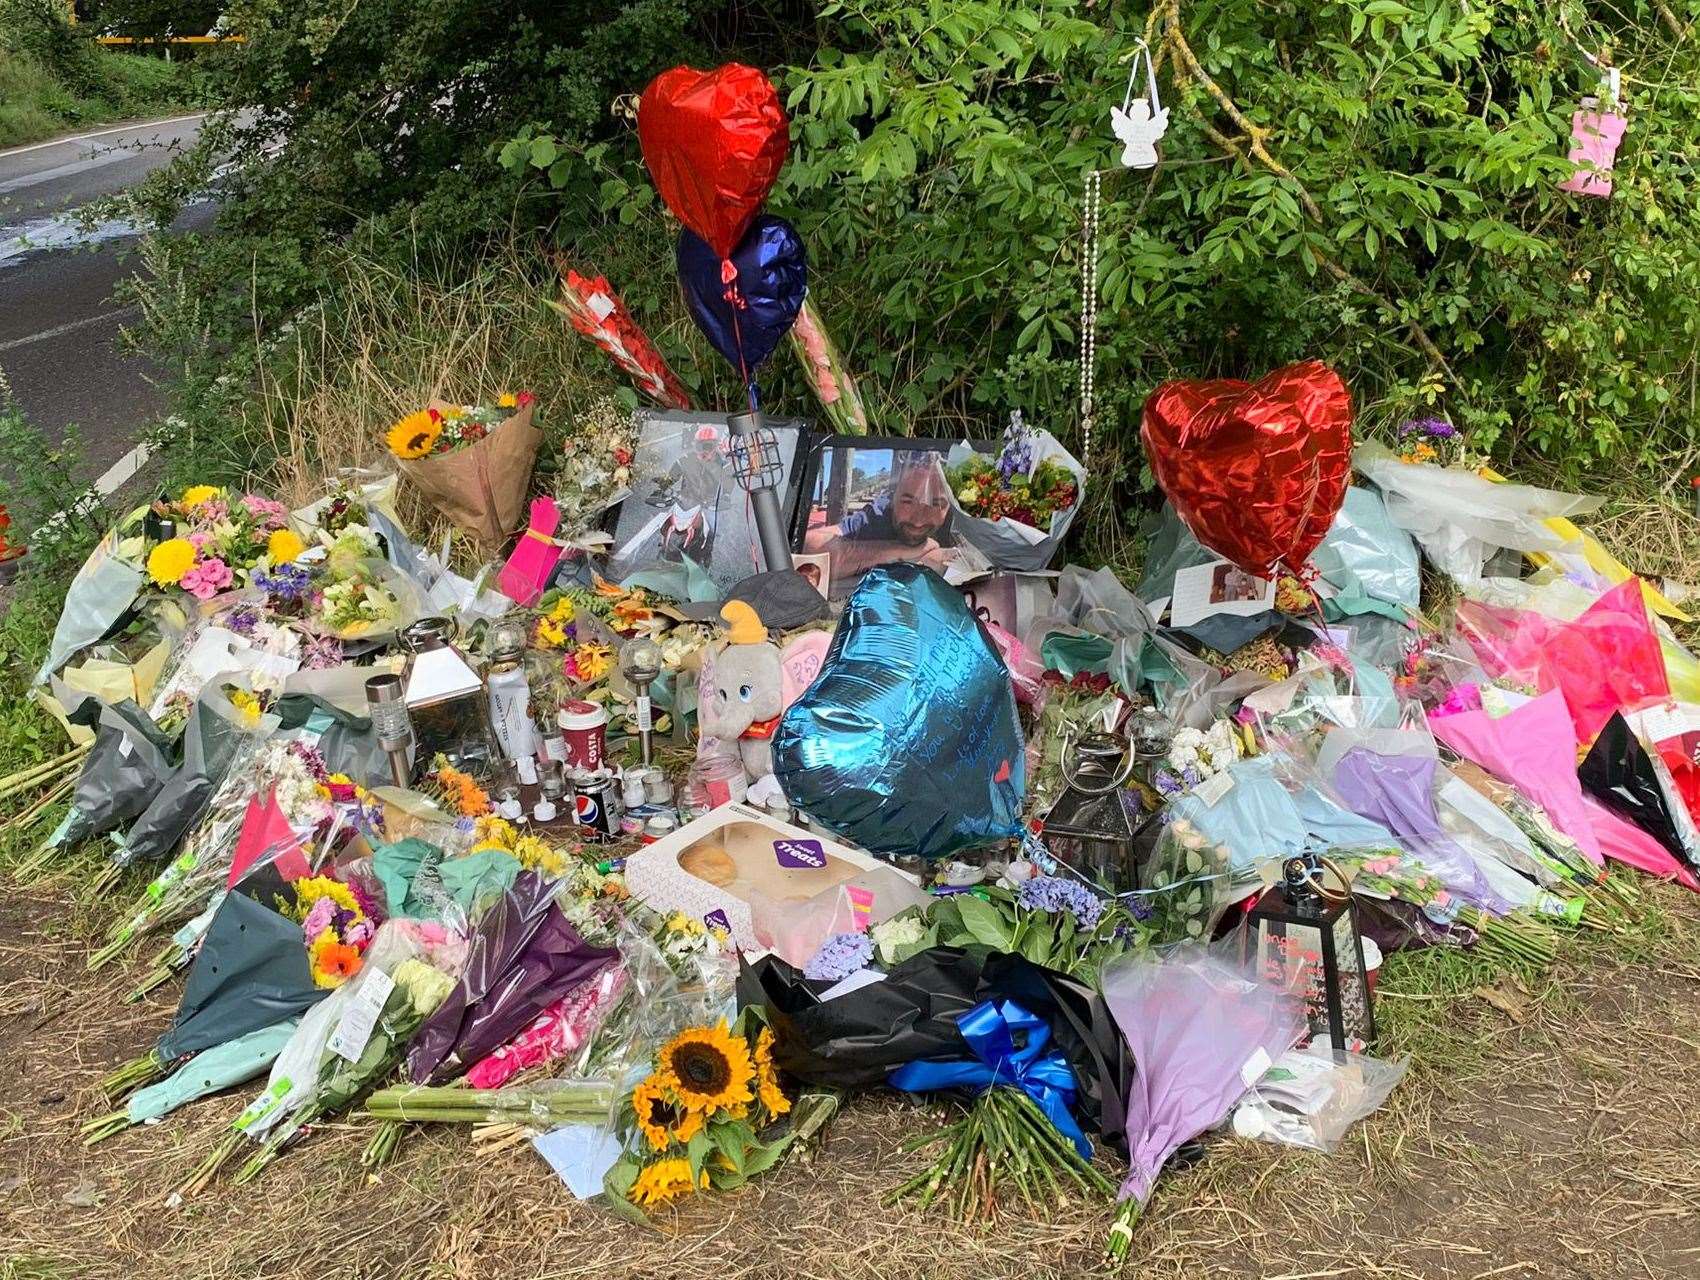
{"x": 1042, "y": 1073}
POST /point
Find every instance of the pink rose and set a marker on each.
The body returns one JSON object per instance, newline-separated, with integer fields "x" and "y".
{"x": 207, "y": 579}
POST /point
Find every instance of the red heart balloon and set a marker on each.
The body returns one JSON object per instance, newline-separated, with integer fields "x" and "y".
{"x": 714, "y": 142}
{"x": 1257, "y": 470}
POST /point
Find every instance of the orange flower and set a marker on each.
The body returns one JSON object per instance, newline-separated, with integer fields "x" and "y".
{"x": 334, "y": 963}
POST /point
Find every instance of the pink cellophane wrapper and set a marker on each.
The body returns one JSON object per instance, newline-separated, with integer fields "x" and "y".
{"x": 828, "y": 376}
{"x": 1628, "y": 844}
{"x": 559, "y": 1030}
{"x": 1533, "y": 747}
{"x": 1606, "y": 660}
{"x": 1194, "y": 1020}
{"x": 1594, "y": 136}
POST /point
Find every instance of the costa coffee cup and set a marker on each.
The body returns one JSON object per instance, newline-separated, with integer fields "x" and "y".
{"x": 584, "y": 727}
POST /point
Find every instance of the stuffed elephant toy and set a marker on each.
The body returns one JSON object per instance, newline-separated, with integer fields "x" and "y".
{"x": 747, "y": 693}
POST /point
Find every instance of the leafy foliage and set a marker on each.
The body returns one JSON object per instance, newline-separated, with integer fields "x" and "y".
{"x": 1373, "y": 182}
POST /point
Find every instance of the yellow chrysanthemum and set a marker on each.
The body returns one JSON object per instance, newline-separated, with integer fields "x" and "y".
{"x": 170, "y": 560}
{"x": 284, "y": 546}
{"x": 562, "y": 611}
{"x": 767, "y": 1076}
{"x": 247, "y": 703}
{"x": 195, "y": 495}
{"x": 707, "y": 1068}
{"x": 663, "y": 1181}
{"x": 507, "y": 400}
{"x": 549, "y": 633}
{"x": 309, "y": 889}
{"x": 535, "y": 855}
{"x": 661, "y": 1120}
{"x": 414, "y": 436}
{"x": 491, "y": 832}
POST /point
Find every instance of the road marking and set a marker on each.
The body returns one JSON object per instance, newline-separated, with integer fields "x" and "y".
{"x": 70, "y": 167}
{"x": 70, "y": 326}
{"x": 123, "y": 471}
{"x": 100, "y": 133}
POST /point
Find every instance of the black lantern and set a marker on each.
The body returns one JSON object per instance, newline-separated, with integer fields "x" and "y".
{"x": 1090, "y": 827}
{"x": 759, "y": 467}
{"x": 1307, "y": 942}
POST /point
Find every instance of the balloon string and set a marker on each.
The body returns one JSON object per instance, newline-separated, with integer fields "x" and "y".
{"x": 743, "y": 366}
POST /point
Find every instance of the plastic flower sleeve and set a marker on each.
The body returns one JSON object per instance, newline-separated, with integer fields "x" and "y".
{"x": 212, "y": 740}
{"x": 826, "y": 373}
{"x": 524, "y": 954}
{"x": 1310, "y": 1102}
{"x": 1533, "y": 747}
{"x": 1608, "y": 658}
{"x": 103, "y": 589}
{"x": 129, "y": 762}
{"x": 1201, "y": 1032}
{"x": 1006, "y": 542}
{"x": 1460, "y": 518}
{"x": 223, "y": 1066}
{"x": 1626, "y": 778}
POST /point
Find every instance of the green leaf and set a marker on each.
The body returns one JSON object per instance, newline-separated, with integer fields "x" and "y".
{"x": 543, "y": 152}
{"x": 985, "y": 922}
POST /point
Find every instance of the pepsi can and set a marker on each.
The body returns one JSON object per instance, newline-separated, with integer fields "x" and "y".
{"x": 593, "y": 805}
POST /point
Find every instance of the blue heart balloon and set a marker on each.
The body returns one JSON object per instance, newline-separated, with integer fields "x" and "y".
{"x": 908, "y": 739}
{"x": 771, "y": 281}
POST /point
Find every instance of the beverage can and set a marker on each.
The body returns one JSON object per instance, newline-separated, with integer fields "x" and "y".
{"x": 593, "y": 805}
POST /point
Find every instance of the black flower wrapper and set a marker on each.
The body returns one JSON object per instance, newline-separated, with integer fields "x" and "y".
{"x": 855, "y": 1040}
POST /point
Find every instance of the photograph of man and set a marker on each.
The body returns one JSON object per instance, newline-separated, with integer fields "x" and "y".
{"x": 880, "y": 506}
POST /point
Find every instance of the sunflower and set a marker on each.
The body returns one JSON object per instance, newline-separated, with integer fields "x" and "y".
{"x": 415, "y": 435}
{"x": 664, "y": 1180}
{"x": 170, "y": 560}
{"x": 507, "y": 400}
{"x": 284, "y": 546}
{"x": 708, "y": 1068}
{"x": 197, "y": 494}
{"x": 767, "y": 1076}
{"x": 662, "y": 1121}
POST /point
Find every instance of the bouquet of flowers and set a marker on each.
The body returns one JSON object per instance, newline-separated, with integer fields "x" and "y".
{"x": 1194, "y": 755}
{"x": 593, "y": 308}
{"x": 1190, "y": 886}
{"x": 337, "y": 921}
{"x": 695, "y": 1121}
{"x": 473, "y": 462}
{"x": 595, "y": 468}
{"x": 827, "y": 375}
{"x": 220, "y": 540}
{"x": 356, "y": 601}
{"x": 1016, "y": 508}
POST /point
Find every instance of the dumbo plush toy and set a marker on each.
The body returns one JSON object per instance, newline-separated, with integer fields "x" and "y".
{"x": 746, "y": 686}
{"x": 748, "y": 690}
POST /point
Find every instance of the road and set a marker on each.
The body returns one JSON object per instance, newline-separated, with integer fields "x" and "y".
{"x": 59, "y": 327}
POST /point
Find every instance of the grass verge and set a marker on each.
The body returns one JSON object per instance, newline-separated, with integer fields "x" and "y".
{"x": 35, "y": 104}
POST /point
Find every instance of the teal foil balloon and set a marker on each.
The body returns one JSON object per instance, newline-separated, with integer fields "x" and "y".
{"x": 907, "y": 742}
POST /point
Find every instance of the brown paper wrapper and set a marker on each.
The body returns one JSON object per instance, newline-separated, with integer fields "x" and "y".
{"x": 482, "y": 487}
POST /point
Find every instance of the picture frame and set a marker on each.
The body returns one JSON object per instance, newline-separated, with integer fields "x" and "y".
{"x": 870, "y": 500}
{"x": 684, "y": 499}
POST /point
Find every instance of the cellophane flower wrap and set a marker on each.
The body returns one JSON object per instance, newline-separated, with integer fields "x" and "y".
{"x": 827, "y": 374}
{"x": 593, "y": 308}
{"x": 1015, "y": 508}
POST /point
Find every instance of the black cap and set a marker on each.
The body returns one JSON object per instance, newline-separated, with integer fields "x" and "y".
{"x": 782, "y": 599}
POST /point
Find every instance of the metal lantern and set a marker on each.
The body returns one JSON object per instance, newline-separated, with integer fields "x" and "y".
{"x": 759, "y": 467}
{"x": 446, "y": 700}
{"x": 1089, "y": 827}
{"x": 640, "y": 664}
{"x": 1307, "y": 941}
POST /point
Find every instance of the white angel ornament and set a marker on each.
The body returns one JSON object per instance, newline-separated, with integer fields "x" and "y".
{"x": 1139, "y": 129}
{"x": 1140, "y": 123}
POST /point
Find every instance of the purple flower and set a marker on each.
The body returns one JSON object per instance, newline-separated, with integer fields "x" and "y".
{"x": 1433, "y": 428}
{"x": 321, "y": 652}
{"x": 1167, "y": 784}
{"x": 287, "y": 583}
{"x": 1054, "y": 894}
{"x": 243, "y": 620}
{"x": 1191, "y": 777}
{"x": 840, "y": 956}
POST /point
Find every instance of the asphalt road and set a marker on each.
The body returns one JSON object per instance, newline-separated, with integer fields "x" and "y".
{"x": 59, "y": 328}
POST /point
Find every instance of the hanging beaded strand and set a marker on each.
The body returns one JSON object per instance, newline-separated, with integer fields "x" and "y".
{"x": 1089, "y": 309}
